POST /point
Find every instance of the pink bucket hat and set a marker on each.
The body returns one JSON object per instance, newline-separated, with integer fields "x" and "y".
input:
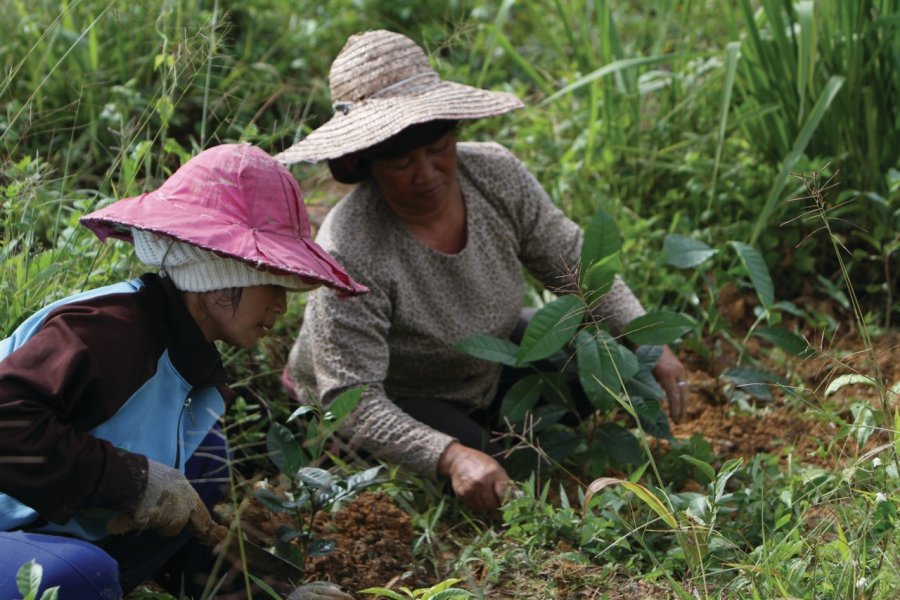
{"x": 238, "y": 202}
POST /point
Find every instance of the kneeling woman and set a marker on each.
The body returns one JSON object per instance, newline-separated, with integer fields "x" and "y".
{"x": 110, "y": 399}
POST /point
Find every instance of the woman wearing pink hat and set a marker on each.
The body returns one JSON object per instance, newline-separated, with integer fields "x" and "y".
{"x": 109, "y": 399}
{"x": 439, "y": 231}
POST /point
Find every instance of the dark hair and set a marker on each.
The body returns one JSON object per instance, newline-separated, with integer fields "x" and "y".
{"x": 354, "y": 168}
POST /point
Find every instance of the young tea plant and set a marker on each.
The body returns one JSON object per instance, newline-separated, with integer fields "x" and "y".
{"x": 312, "y": 489}
{"x": 574, "y": 368}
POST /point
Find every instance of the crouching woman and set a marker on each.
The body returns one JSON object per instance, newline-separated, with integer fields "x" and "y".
{"x": 110, "y": 399}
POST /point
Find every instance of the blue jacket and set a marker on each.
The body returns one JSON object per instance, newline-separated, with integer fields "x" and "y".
{"x": 90, "y": 387}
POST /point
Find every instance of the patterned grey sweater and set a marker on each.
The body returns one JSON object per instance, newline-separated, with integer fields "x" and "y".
{"x": 398, "y": 339}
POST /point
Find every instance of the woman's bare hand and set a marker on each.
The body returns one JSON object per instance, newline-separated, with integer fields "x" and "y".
{"x": 477, "y": 479}
{"x": 670, "y": 374}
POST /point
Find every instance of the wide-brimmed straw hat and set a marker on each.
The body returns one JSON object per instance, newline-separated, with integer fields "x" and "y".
{"x": 238, "y": 202}
{"x": 381, "y": 83}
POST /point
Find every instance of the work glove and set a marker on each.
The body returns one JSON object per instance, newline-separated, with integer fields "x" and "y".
{"x": 166, "y": 506}
{"x": 319, "y": 590}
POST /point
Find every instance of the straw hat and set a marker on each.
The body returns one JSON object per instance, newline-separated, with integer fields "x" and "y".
{"x": 237, "y": 202}
{"x": 381, "y": 83}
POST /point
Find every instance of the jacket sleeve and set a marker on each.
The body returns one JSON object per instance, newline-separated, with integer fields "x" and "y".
{"x": 54, "y": 389}
{"x": 549, "y": 242}
{"x": 346, "y": 343}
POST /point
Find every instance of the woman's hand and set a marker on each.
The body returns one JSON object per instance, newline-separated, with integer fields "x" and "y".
{"x": 670, "y": 374}
{"x": 477, "y": 479}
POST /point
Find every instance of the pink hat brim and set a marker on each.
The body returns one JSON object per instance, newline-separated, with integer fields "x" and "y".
{"x": 267, "y": 250}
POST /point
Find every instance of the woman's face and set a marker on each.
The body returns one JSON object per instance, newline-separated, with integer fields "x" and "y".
{"x": 421, "y": 179}
{"x": 242, "y": 325}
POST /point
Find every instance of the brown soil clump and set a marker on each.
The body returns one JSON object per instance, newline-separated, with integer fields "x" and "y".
{"x": 374, "y": 543}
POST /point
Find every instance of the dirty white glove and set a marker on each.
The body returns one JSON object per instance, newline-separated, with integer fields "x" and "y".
{"x": 319, "y": 590}
{"x": 166, "y": 506}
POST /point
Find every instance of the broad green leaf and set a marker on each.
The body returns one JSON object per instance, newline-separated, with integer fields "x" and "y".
{"x": 363, "y": 479}
{"x": 284, "y": 451}
{"x": 728, "y": 469}
{"x": 863, "y": 422}
{"x": 847, "y": 379}
{"x": 784, "y": 339}
{"x": 617, "y": 443}
{"x": 685, "y": 253}
{"x": 704, "y": 467}
{"x": 301, "y": 411}
{"x": 488, "y": 347}
{"x": 601, "y": 239}
{"x": 653, "y": 420}
{"x": 546, "y": 415}
{"x": 597, "y": 281}
{"x": 521, "y": 398}
{"x": 314, "y": 477}
{"x": 559, "y": 442}
{"x": 759, "y": 272}
{"x": 28, "y": 578}
{"x": 344, "y": 404}
{"x": 550, "y": 328}
{"x": 658, "y": 328}
{"x": 51, "y": 593}
{"x": 595, "y": 371}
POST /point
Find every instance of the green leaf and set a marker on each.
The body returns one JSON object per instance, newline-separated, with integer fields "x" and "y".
{"x": 380, "y": 591}
{"x": 617, "y": 443}
{"x": 314, "y": 477}
{"x": 658, "y": 328}
{"x": 344, "y": 404}
{"x": 847, "y": 379}
{"x": 51, "y": 593}
{"x": 759, "y": 272}
{"x": 653, "y": 420}
{"x": 704, "y": 467}
{"x": 366, "y": 478}
{"x": 597, "y": 281}
{"x": 550, "y": 328}
{"x": 601, "y": 239}
{"x": 559, "y": 442}
{"x": 596, "y": 370}
{"x": 301, "y": 411}
{"x": 488, "y": 347}
{"x": 546, "y": 415}
{"x": 685, "y": 253}
{"x": 521, "y": 398}
{"x": 784, "y": 339}
{"x": 284, "y": 451}
{"x": 28, "y": 579}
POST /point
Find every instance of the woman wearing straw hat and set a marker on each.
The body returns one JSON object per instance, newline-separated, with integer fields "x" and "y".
{"x": 110, "y": 399}
{"x": 439, "y": 231}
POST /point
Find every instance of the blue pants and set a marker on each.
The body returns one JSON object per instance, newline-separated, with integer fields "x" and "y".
{"x": 116, "y": 564}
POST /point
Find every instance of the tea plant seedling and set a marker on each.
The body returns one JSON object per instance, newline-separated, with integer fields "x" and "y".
{"x": 312, "y": 489}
